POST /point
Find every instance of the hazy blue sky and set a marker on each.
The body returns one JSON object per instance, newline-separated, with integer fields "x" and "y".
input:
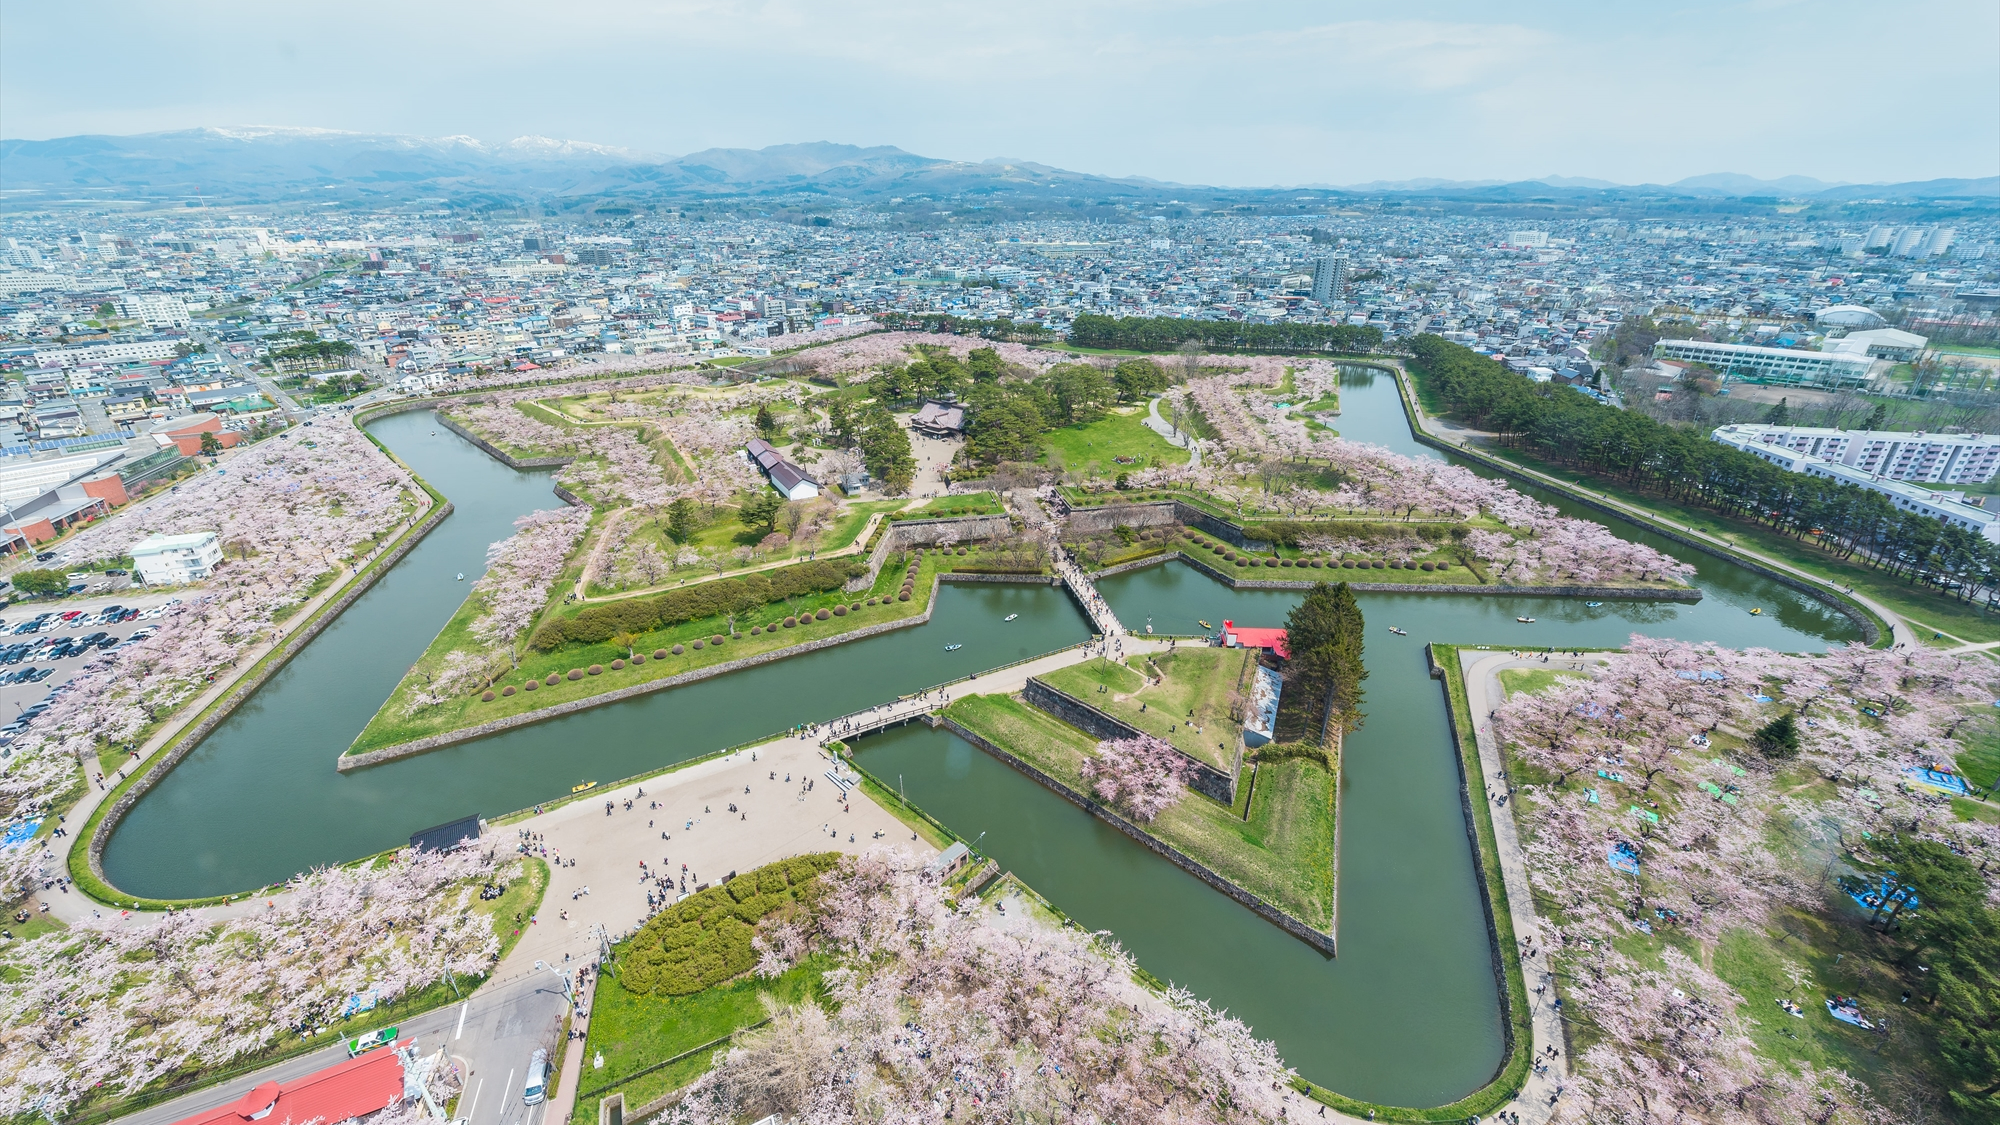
{"x": 1247, "y": 93}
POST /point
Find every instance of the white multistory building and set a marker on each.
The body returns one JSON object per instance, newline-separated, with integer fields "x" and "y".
{"x": 166, "y": 560}
{"x": 1962, "y": 459}
{"x": 157, "y": 310}
{"x": 1950, "y": 507}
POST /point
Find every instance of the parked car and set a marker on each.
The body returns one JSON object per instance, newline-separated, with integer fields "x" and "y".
{"x": 362, "y": 1044}
{"x": 537, "y": 1087}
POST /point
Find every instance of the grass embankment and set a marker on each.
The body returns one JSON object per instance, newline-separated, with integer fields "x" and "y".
{"x": 393, "y": 724}
{"x": 1189, "y": 709}
{"x": 1927, "y": 611}
{"x": 724, "y": 532}
{"x": 1095, "y": 449}
{"x": 960, "y": 504}
{"x": 1282, "y": 851}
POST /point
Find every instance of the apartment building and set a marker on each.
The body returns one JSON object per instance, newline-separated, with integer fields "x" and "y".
{"x": 1951, "y": 507}
{"x": 1895, "y": 454}
{"x": 1770, "y": 365}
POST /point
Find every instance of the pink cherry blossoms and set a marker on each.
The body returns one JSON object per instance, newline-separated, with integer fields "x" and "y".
{"x": 1668, "y": 728}
{"x": 1143, "y": 775}
{"x": 519, "y": 571}
{"x": 883, "y": 349}
{"x": 122, "y": 1005}
{"x": 938, "y": 1014}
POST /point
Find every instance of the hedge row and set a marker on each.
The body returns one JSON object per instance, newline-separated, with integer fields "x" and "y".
{"x": 705, "y": 939}
{"x": 1289, "y": 532}
{"x": 599, "y": 623}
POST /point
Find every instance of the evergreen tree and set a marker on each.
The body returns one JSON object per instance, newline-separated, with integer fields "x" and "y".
{"x": 683, "y": 519}
{"x": 885, "y": 449}
{"x": 767, "y": 423}
{"x": 1324, "y": 634}
{"x": 1779, "y": 738}
{"x": 1779, "y": 415}
{"x": 1878, "y": 417}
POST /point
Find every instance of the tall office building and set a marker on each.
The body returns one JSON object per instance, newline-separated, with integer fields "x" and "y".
{"x": 1330, "y": 278}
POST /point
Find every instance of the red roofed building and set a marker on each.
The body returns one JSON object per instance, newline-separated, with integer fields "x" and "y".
{"x": 1273, "y": 639}
{"x": 341, "y": 1092}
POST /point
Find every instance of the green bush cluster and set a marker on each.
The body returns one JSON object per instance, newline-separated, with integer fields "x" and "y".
{"x": 705, "y": 939}
{"x": 599, "y": 623}
{"x": 1289, "y": 532}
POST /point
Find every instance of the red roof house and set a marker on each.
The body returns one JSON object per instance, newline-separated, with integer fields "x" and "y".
{"x": 1273, "y": 639}
{"x": 346, "y": 1090}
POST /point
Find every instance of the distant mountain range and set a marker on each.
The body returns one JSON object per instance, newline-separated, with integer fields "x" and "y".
{"x": 273, "y": 165}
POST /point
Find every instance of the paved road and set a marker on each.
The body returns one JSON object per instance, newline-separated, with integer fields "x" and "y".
{"x": 490, "y": 1036}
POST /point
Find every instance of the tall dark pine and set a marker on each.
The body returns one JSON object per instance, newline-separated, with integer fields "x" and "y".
{"x": 1324, "y": 633}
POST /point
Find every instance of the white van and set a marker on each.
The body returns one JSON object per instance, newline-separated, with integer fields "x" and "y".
{"x": 538, "y": 1078}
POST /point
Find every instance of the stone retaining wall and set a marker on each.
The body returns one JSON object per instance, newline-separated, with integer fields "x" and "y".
{"x": 1086, "y": 521}
{"x": 501, "y": 455}
{"x": 904, "y": 534}
{"x": 1321, "y": 941}
{"x": 188, "y": 740}
{"x": 1207, "y": 780}
{"x": 528, "y": 718}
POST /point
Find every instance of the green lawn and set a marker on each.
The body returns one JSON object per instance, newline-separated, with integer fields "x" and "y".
{"x": 1094, "y": 448}
{"x": 1281, "y": 851}
{"x": 1196, "y": 682}
{"x": 391, "y": 726}
{"x": 634, "y": 1032}
{"x": 1922, "y": 607}
{"x": 1519, "y": 681}
{"x": 961, "y": 504}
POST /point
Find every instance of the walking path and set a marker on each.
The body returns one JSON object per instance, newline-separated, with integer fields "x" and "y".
{"x": 1165, "y": 429}
{"x": 1900, "y": 630}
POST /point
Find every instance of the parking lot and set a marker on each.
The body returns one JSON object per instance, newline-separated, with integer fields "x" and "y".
{"x": 43, "y": 642}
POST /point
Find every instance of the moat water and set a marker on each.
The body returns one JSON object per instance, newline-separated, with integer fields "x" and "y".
{"x": 1407, "y": 1014}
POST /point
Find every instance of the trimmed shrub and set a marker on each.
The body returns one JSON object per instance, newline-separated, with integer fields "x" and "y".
{"x": 903, "y": 597}
{"x": 618, "y": 664}
{"x": 1430, "y": 566}
{"x": 871, "y": 601}
{"x": 598, "y": 623}
{"x": 554, "y": 678}
{"x": 822, "y": 615}
{"x": 717, "y": 639}
{"x": 576, "y": 673}
{"x": 705, "y": 939}
{"x": 678, "y": 650}
{"x": 840, "y": 611}
{"x": 638, "y": 658}
{"x": 1273, "y": 563}
{"x": 791, "y": 622}
{"x": 661, "y": 654}
{"x": 1242, "y": 562}
{"x": 597, "y": 669}
{"x": 508, "y": 690}
{"x": 855, "y": 608}
{"x": 531, "y": 685}
{"x": 1444, "y": 566}
{"x": 697, "y": 646}
{"x": 486, "y": 697}
{"x": 756, "y": 630}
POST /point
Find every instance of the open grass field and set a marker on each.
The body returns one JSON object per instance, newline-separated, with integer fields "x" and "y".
{"x": 396, "y": 722}
{"x": 1925, "y": 609}
{"x": 958, "y": 504}
{"x": 1188, "y": 709}
{"x": 1280, "y": 848}
{"x": 1515, "y": 681}
{"x": 1094, "y": 449}
{"x": 725, "y": 531}
{"x": 635, "y": 1032}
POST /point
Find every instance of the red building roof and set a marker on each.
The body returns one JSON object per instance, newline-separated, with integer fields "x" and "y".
{"x": 345, "y": 1090}
{"x": 1273, "y": 639}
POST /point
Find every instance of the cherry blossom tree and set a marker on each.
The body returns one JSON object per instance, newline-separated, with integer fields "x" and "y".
{"x": 1143, "y": 775}
{"x": 119, "y": 1004}
{"x": 937, "y": 1014}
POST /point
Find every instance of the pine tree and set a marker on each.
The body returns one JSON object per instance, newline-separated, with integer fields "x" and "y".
{"x": 1878, "y": 417}
{"x": 1779, "y": 738}
{"x": 1324, "y": 634}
